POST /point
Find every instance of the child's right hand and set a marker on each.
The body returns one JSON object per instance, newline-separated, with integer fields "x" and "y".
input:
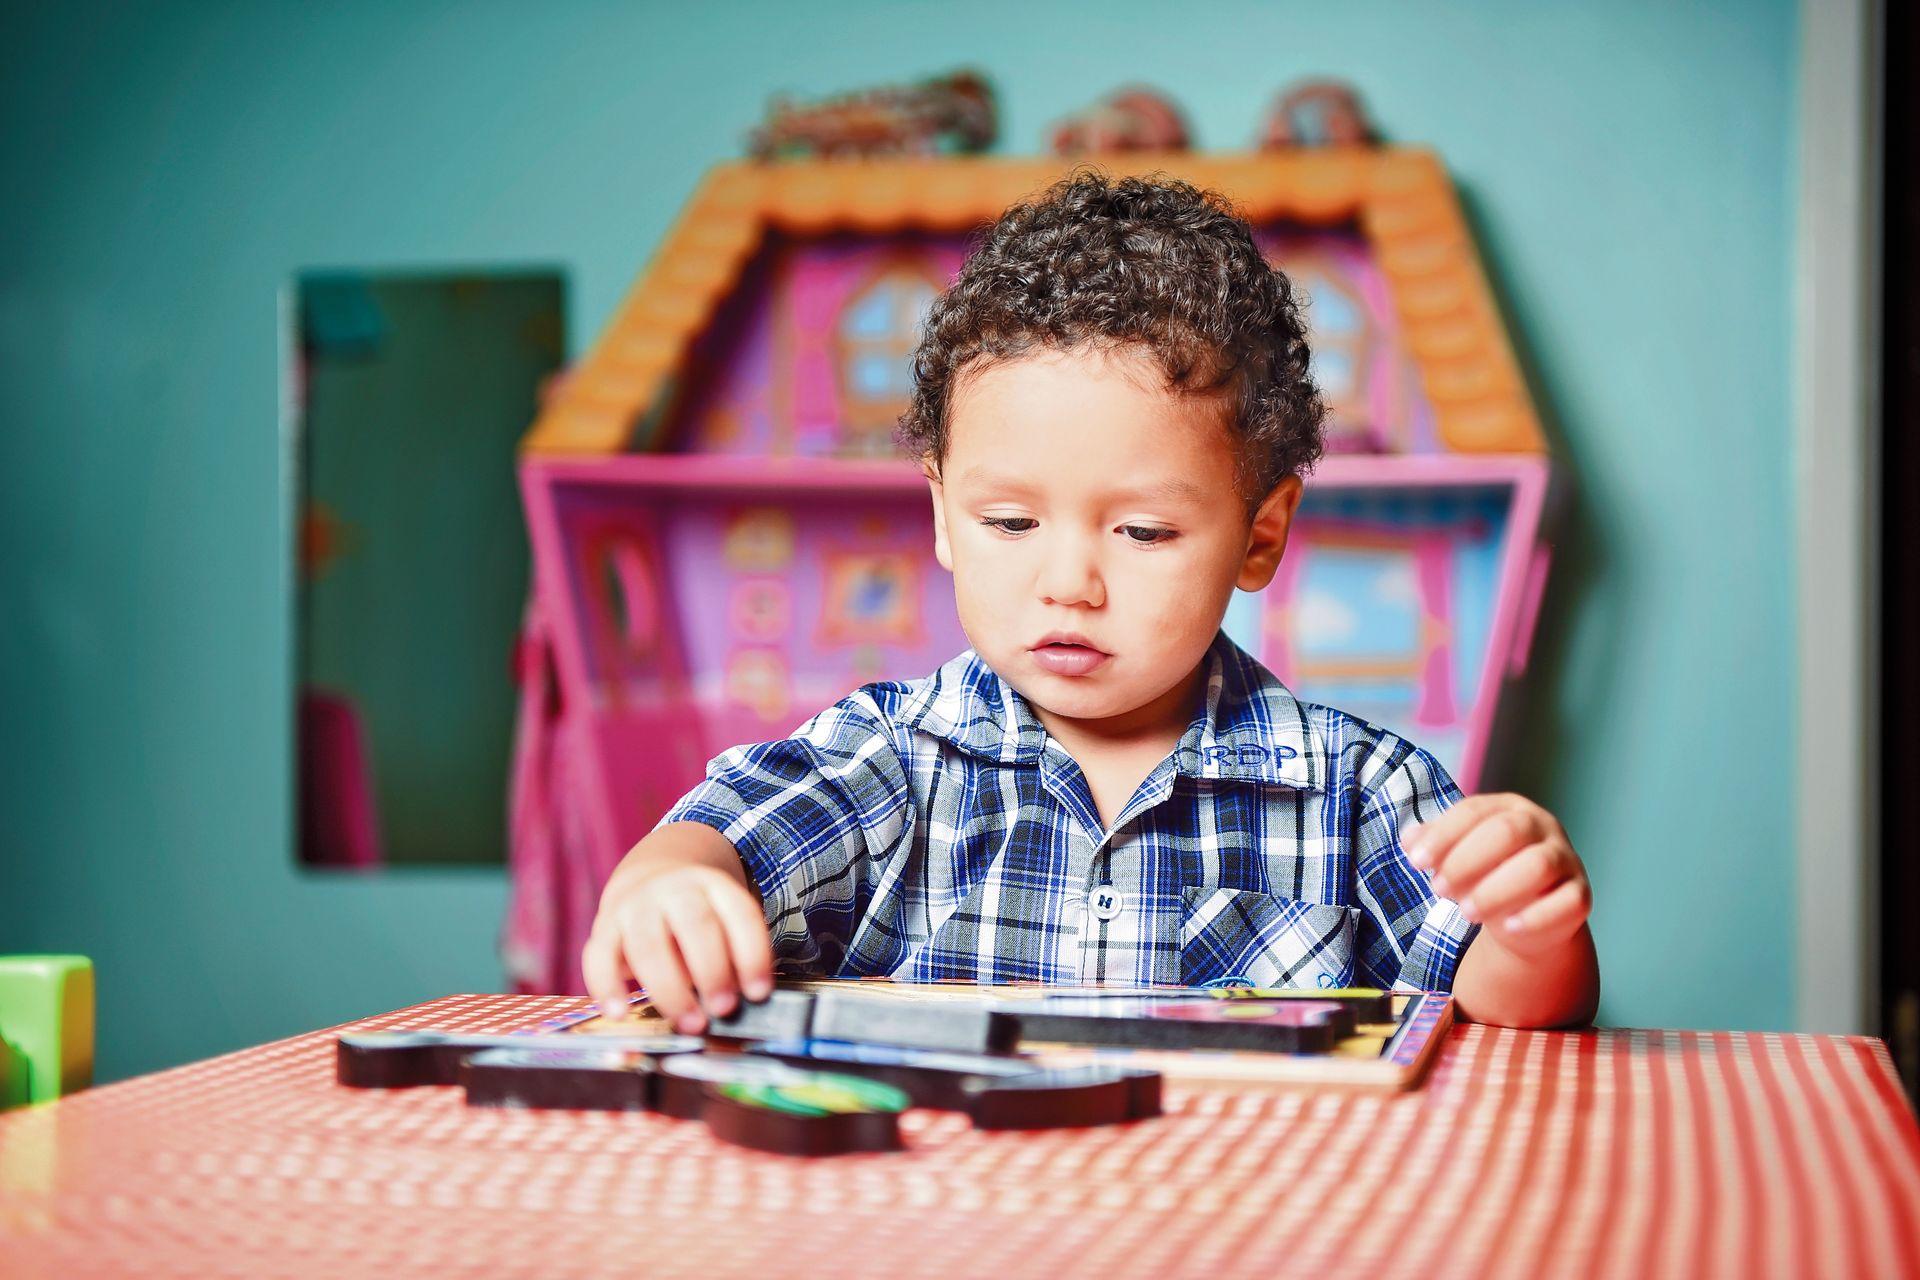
{"x": 678, "y": 917}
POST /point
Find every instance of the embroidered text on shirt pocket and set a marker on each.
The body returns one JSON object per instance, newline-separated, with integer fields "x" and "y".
{"x": 1269, "y": 941}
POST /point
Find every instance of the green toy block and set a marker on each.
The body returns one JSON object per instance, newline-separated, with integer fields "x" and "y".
{"x": 13, "y": 1077}
{"x": 46, "y": 1027}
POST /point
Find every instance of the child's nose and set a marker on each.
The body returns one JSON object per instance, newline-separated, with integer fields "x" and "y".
{"x": 1072, "y": 576}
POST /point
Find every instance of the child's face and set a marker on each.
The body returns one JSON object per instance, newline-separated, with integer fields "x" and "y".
{"x": 1090, "y": 518}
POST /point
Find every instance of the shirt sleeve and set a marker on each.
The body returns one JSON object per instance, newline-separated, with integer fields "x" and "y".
{"x": 1407, "y": 937}
{"x": 812, "y": 817}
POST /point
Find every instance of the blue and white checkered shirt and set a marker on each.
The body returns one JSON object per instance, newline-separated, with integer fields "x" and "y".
{"x": 932, "y": 829}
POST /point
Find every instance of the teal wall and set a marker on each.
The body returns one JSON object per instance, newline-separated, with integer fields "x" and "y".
{"x": 1630, "y": 167}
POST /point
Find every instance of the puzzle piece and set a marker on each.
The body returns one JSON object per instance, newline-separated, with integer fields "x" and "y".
{"x": 1269, "y": 1026}
{"x": 405, "y": 1059}
{"x": 1069, "y": 1097}
{"x": 932, "y": 1078}
{"x": 813, "y": 1114}
{"x": 592, "y": 1079}
{"x": 958, "y": 1026}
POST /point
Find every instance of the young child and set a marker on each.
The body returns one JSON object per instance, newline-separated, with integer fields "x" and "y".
{"x": 1113, "y": 410}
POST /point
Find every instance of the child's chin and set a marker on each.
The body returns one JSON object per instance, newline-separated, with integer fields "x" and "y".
{"x": 1068, "y": 696}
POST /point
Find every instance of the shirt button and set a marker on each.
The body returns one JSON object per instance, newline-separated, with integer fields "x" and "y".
{"x": 1105, "y": 902}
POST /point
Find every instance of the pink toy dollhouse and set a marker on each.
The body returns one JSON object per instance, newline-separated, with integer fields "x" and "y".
{"x": 724, "y": 541}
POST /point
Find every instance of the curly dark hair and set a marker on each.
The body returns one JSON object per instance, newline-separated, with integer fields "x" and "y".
{"x": 1149, "y": 262}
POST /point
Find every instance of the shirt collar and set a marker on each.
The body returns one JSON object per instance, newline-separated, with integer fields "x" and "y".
{"x": 1251, "y": 728}
{"x": 968, "y": 704}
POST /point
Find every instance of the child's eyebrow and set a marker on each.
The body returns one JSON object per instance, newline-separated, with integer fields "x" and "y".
{"x": 1171, "y": 489}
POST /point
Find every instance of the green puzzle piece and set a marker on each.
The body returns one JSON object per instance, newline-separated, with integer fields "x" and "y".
{"x": 46, "y": 1027}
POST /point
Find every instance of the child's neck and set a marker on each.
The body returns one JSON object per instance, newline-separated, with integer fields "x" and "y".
{"x": 1143, "y": 734}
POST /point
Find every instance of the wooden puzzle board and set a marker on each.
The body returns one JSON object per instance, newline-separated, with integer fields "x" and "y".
{"x": 1603, "y": 1153}
{"x": 1379, "y": 1056}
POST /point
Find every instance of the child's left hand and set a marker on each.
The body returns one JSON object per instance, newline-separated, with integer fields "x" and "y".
{"x": 1509, "y": 865}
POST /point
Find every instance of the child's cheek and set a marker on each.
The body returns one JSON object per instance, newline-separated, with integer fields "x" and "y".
{"x": 986, "y": 596}
{"x": 1187, "y": 591}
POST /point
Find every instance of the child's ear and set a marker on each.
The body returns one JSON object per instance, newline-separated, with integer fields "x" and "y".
{"x": 942, "y": 549}
{"x": 1267, "y": 539}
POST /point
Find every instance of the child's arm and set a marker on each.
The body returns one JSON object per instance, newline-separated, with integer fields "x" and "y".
{"x": 679, "y": 916}
{"x": 1510, "y": 866}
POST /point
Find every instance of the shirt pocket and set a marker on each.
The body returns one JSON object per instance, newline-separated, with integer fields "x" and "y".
{"x": 1265, "y": 941}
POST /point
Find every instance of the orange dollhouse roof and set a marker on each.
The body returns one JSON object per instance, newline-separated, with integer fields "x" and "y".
{"x": 1400, "y": 199}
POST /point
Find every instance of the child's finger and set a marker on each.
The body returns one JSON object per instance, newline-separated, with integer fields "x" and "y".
{"x": 1560, "y": 912}
{"x": 1492, "y": 841}
{"x": 1426, "y": 843}
{"x": 1527, "y": 875}
{"x": 655, "y": 961}
{"x": 745, "y": 926}
{"x": 704, "y": 949}
{"x": 604, "y": 966}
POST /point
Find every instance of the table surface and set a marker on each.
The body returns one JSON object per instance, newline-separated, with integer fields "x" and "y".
{"x": 1628, "y": 1153}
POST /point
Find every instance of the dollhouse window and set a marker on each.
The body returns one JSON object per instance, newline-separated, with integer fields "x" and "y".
{"x": 878, "y": 329}
{"x": 1339, "y": 339}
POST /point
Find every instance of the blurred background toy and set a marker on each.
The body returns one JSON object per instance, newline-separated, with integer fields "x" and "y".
{"x": 1317, "y": 113}
{"x": 1130, "y": 119}
{"x": 46, "y": 1028}
{"x": 954, "y": 113}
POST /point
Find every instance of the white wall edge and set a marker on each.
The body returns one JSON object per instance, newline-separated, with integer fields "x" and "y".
{"x": 1836, "y": 468}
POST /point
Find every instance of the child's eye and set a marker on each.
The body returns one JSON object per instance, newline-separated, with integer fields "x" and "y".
{"x": 1010, "y": 524}
{"x": 1147, "y": 534}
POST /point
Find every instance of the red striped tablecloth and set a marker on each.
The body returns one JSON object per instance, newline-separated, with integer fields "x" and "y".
{"x": 1608, "y": 1153}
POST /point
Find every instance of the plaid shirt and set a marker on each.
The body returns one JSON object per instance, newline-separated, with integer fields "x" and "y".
{"x": 932, "y": 829}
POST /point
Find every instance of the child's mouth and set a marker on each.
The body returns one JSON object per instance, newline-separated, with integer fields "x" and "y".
{"x": 1066, "y": 658}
